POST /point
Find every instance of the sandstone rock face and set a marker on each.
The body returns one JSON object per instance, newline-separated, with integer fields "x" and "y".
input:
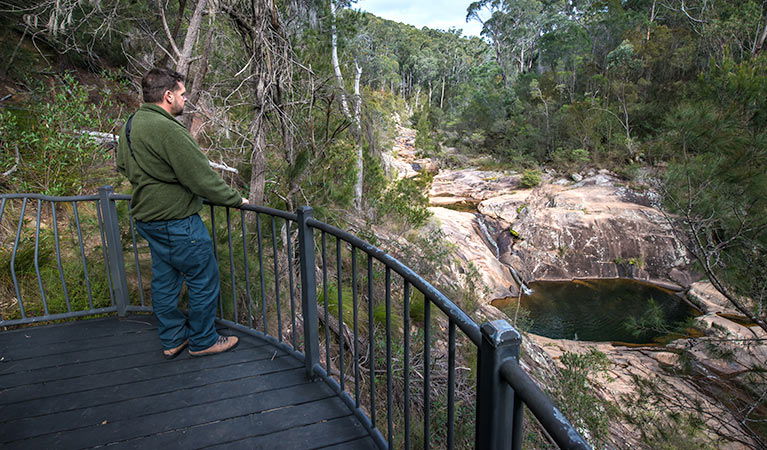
{"x": 471, "y": 186}
{"x": 595, "y": 229}
{"x": 461, "y": 228}
{"x": 403, "y": 161}
{"x": 591, "y": 229}
{"x": 656, "y": 366}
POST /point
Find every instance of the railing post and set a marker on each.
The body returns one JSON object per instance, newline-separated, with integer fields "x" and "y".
{"x": 115, "y": 261}
{"x": 308, "y": 291}
{"x": 496, "y": 427}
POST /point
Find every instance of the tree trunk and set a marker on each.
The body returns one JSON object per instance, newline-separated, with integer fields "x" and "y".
{"x": 336, "y": 65}
{"x": 358, "y": 132}
{"x": 257, "y": 161}
{"x": 442, "y": 96}
{"x": 652, "y": 19}
{"x": 185, "y": 58}
{"x": 759, "y": 44}
{"x": 161, "y": 58}
{"x": 430, "y": 92}
{"x": 199, "y": 76}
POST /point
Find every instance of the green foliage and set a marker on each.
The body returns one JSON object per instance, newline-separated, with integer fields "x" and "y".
{"x": 379, "y": 317}
{"x": 346, "y": 302}
{"x": 570, "y": 160}
{"x": 424, "y": 140}
{"x": 57, "y": 156}
{"x": 717, "y": 179}
{"x": 577, "y": 399}
{"x": 653, "y": 322}
{"x": 417, "y": 305}
{"x": 29, "y": 260}
{"x": 530, "y": 179}
{"x": 406, "y": 198}
{"x": 662, "y": 424}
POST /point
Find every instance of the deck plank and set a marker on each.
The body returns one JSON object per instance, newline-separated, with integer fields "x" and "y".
{"x": 104, "y": 382}
{"x": 110, "y": 394}
{"x": 318, "y": 434}
{"x": 124, "y": 410}
{"x": 89, "y": 329}
{"x": 156, "y": 367}
{"x": 26, "y": 351}
{"x": 68, "y": 365}
{"x": 243, "y": 427}
{"x": 364, "y": 443}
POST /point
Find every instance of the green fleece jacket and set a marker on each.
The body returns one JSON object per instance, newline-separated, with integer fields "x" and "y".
{"x": 169, "y": 173}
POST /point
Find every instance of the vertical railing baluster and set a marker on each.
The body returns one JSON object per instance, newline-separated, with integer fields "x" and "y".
{"x": 355, "y": 333}
{"x": 323, "y": 249}
{"x": 450, "y": 384}
{"x": 81, "y": 245}
{"x": 339, "y": 281}
{"x": 136, "y": 261}
{"x": 389, "y": 381}
{"x": 115, "y": 259}
{"x": 58, "y": 256}
{"x": 246, "y": 265}
{"x": 308, "y": 291}
{"x": 2, "y": 208}
{"x": 291, "y": 285}
{"x": 426, "y": 373}
{"x": 406, "y": 338}
{"x": 231, "y": 265}
{"x": 37, "y": 257}
{"x": 261, "y": 273}
{"x": 214, "y": 237}
{"x": 371, "y": 343}
{"x": 276, "y": 254}
{"x": 102, "y": 226}
{"x": 16, "y": 286}
{"x": 517, "y": 422}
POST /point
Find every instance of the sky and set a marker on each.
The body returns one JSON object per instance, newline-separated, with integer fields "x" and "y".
{"x": 441, "y": 14}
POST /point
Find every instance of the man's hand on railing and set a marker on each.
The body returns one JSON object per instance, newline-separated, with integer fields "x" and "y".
{"x": 244, "y": 201}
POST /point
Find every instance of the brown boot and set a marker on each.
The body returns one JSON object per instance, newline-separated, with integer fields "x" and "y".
{"x": 223, "y": 344}
{"x": 173, "y": 352}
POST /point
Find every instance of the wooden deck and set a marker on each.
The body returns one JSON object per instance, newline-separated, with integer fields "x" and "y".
{"x": 104, "y": 382}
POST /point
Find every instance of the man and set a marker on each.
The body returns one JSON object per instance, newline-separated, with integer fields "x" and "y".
{"x": 170, "y": 175}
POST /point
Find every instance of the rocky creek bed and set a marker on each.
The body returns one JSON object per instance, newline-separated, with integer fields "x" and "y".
{"x": 595, "y": 227}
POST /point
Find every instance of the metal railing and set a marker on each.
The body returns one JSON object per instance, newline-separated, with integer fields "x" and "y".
{"x": 332, "y": 302}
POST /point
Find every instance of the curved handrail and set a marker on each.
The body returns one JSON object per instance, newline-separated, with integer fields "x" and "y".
{"x": 505, "y": 372}
{"x": 464, "y": 322}
{"x": 50, "y": 198}
{"x": 556, "y": 424}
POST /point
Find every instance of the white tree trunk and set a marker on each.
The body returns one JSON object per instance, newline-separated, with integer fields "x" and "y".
{"x": 185, "y": 58}
{"x": 336, "y": 65}
{"x": 759, "y": 44}
{"x": 430, "y": 92}
{"x": 358, "y": 127}
{"x": 442, "y": 96}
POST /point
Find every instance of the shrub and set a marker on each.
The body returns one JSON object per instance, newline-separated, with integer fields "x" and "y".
{"x": 57, "y": 156}
{"x": 530, "y": 178}
{"x": 406, "y": 199}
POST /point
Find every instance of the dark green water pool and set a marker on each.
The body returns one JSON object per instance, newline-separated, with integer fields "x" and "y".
{"x": 595, "y": 310}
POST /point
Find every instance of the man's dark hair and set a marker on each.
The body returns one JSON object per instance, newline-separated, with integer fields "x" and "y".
{"x": 157, "y": 81}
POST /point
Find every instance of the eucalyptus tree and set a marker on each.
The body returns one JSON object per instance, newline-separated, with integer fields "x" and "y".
{"x": 514, "y": 28}
{"x": 353, "y": 114}
{"x": 269, "y": 63}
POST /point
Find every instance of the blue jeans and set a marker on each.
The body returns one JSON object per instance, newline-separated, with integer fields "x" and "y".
{"x": 183, "y": 251}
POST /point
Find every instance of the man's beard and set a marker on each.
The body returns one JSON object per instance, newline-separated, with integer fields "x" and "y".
{"x": 177, "y": 110}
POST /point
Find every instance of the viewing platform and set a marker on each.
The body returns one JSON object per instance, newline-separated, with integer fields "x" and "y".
{"x": 100, "y": 382}
{"x": 341, "y": 345}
